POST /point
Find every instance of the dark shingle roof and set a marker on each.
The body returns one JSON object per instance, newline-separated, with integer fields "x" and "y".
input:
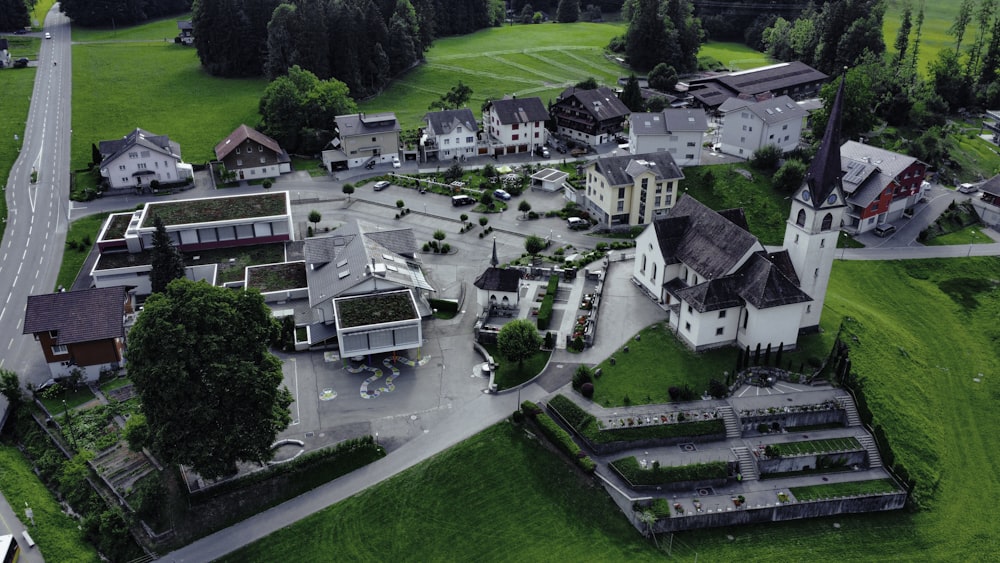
{"x": 354, "y": 124}
{"x": 713, "y": 295}
{"x": 443, "y": 122}
{"x": 601, "y": 103}
{"x": 497, "y": 279}
{"x": 764, "y": 283}
{"x": 669, "y": 121}
{"x": 824, "y": 173}
{"x": 620, "y": 170}
{"x": 242, "y": 133}
{"x": 139, "y": 137}
{"x": 520, "y": 110}
{"x": 78, "y": 316}
{"x": 991, "y": 186}
{"x": 771, "y": 111}
{"x": 705, "y": 240}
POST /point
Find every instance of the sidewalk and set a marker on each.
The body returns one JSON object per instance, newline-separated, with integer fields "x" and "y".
{"x": 11, "y": 524}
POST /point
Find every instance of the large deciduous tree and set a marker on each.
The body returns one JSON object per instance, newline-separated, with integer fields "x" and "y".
{"x": 166, "y": 261}
{"x": 518, "y": 340}
{"x": 211, "y": 391}
{"x": 455, "y": 98}
{"x": 298, "y": 109}
{"x": 13, "y": 14}
{"x": 568, "y": 11}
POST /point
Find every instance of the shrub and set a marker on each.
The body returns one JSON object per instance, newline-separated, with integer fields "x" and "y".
{"x": 582, "y": 375}
{"x": 529, "y": 408}
{"x": 681, "y": 394}
{"x": 550, "y": 340}
{"x": 553, "y": 285}
{"x": 445, "y": 248}
{"x": 427, "y": 247}
{"x": 763, "y": 428}
{"x": 532, "y": 215}
{"x": 400, "y": 203}
{"x": 577, "y": 344}
{"x": 545, "y": 312}
{"x": 587, "y": 390}
{"x": 717, "y": 389}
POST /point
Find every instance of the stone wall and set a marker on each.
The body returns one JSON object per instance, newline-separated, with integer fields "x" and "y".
{"x": 800, "y": 462}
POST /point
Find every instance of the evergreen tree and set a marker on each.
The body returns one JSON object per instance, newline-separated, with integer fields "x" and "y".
{"x": 688, "y": 32}
{"x": 568, "y": 11}
{"x": 903, "y": 35}
{"x": 663, "y": 77}
{"x": 961, "y": 23}
{"x": 14, "y": 14}
{"x": 991, "y": 60}
{"x": 631, "y": 96}
{"x": 166, "y": 260}
{"x": 646, "y": 39}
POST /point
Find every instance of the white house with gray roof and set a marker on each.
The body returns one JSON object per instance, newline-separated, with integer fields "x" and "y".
{"x": 357, "y": 260}
{"x": 748, "y": 125}
{"x": 449, "y": 135}
{"x": 363, "y": 138}
{"x": 631, "y": 189}
{"x": 140, "y": 157}
{"x": 677, "y": 131}
{"x": 514, "y": 125}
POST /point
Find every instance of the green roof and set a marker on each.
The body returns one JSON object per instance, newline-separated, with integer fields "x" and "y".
{"x": 186, "y": 212}
{"x": 375, "y": 309}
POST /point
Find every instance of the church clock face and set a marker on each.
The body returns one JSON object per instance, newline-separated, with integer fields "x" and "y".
{"x": 805, "y": 195}
{"x": 832, "y": 199}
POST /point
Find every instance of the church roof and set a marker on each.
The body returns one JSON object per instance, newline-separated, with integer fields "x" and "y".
{"x": 824, "y": 173}
{"x": 498, "y": 279}
{"x": 764, "y": 281}
{"x": 709, "y": 242}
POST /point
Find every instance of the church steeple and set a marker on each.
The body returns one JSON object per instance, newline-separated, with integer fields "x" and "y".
{"x": 824, "y": 174}
{"x": 494, "y": 261}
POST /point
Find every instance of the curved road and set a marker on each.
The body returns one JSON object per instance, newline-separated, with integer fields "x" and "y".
{"x": 32, "y": 246}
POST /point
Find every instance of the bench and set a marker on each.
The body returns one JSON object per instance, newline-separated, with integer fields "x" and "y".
{"x": 27, "y": 539}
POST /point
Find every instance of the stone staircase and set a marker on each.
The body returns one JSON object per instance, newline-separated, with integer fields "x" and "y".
{"x": 747, "y": 466}
{"x": 874, "y": 459}
{"x": 732, "y": 422}
{"x": 846, "y": 403}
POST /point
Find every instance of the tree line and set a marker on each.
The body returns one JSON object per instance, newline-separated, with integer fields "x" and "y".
{"x": 109, "y": 13}
{"x": 362, "y": 43}
{"x": 14, "y": 14}
{"x": 660, "y": 31}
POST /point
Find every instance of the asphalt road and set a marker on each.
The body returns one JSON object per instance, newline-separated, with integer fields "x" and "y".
{"x": 37, "y": 211}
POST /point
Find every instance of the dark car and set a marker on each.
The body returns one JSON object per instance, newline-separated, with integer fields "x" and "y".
{"x": 20, "y": 31}
{"x": 20, "y": 63}
{"x": 885, "y": 230}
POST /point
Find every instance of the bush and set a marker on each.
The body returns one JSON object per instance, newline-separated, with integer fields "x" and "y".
{"x": 582, "y": 375}
{"x": 766, "y": 157}
{"x": 550, "y": 340}
{"x": 562, "y": 440}
{"x": 529, "y": 408}
{"x": 681, "y": 394}
{"x": 717, "y": 389}
{"x": 586, "y": 425}
{"x": 587, "y": 390}
{"x": 545, "y": 312}
{"x": 427, "y": 247}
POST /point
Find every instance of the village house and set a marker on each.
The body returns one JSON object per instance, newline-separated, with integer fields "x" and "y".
{"x": 593, "y": 116}
{"x": 140, "y": 158}
{"x": 449, "y": 135}
{"x": 748, "y": 126}
{"x": 794, "y": 79}
{"x": 880, "y": 185}
{"x": 80, "y": 330}
{"x": 680, "y": 132}
{"x": 514, "y": 125}
{"x": 363, "y": 140}
{"x": 252, "y": 155}
{"x": 631, "y": 189}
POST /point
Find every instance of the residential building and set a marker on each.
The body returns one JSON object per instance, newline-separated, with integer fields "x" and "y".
{"x": 631, "y": 189}
{"x": 988, "y": 202}
{"x": 880, "y": 185}
{"x": 593, "y": 116}
{"x": 363, "y": 140}
{"x": 514, "y": 125}
{"x": 252, "y": 155}
{"x": 358, "y": 261}
{"x": 720, "y": 285}
{"x": 139, "y": 158}
{"x": 680, "y": 132}
{"x": 185, "y": 32}
{"x": 193, "y": 225}
{"x": 80, "y": 330}
{"x": 449, "y": 135}
{"x": 794, "y": 79}
{"x": 748, "y": 125}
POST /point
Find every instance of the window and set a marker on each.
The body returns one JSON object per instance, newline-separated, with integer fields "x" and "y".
{"x": 125, "y": 180}
{"x": 249, "y": 150}
{"x": 656, "y": 202}
{"x": 260, "y": 148}
{"x": 744, "y": 115}
{"x": 514, "y": 127}
{"x": 770, "y": 136}
{"x": 786, "y": 137}
{"x": 691, "y": 143}
{"x": 744, "y": 127}
{"x": 643, "y": 268}
{"x": 621, "y": 193}
{"x": 645, "y": 184}
{"x": 141, "y": 166}
{"x": 53, "y": 333}
{"x": 458, "y": 129}
{"x": 469, "y": 139}
{"x": 621, "y": 206}
{"x": 536, "y": 134}
{"x": 722, "y": 314}
{"x": 689, "y": 156}
{"x": 144, "y": 154}
{"x": 743, "y": 139}
{"x": 374, "y": 140}
{"x": 809, "y": 309}
{"x": 687, "y": 327}
{"x": 827, "y": 221}
{"x": 784, "y": 127}
{"x": 800, "y": 219}
{"x": 156, "y": 164}
{"x": 447, "y": 141}
{"x": 654, "y": 272}
{"x": 121, "y": 167}
{"x": 263, "y": 160}
{"x": 690, "y": 310}
{"x": 514, "y": 137}
{"x": 237, "y": 150}
{"x": 718, "y": 331}
{"x": 133, "y": 155}
{"x": 816, "y": 273}
{"x": 746, "y": 319}
{"x": 58, "y": 349}
{"x": 239, "y": 162}
{"x": 822, "y": 243}
{"x": 796, "y": 238}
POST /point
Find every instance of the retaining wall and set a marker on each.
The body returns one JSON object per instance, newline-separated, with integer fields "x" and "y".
{"x": 780, "y": 512}
{"x": 793, "y": 419}
{"x": 800, "y": 462}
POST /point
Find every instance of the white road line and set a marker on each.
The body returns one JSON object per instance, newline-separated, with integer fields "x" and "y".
{"x": 11, "y": 343}
{"x": 298, "y": 416}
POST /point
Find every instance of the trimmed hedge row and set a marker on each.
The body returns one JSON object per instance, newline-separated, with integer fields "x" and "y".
{"x": 586, "y": 424}
{"x": 545, "y": 312}
{"x": 559, "y": 437}
{"x": 632, "y": 472}
{"x": 553, "y": 285}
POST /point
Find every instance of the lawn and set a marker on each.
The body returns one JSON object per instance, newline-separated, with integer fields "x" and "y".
{"x": 850, "y": 488}
{"x": 57, "y": 535}
{"x": 162, "y": 30}
{"x": 79, "y": 241}
{"x": 67, "y": 399}
{"x": 808, "y": 447}
{"x": 657, "y": 361}
{"x": 734, "y": 56}
{"x": 722, "y": 187}
{"x": 23, "y": 46}
{"x": 17, "y": 88}
{"x": 39, "y": 12}
{"x": 495, "y": 62}
{"x": 934, "y": 37}
{"x": 973, "y": 234}
{"x": 510, "y": 375}
{"x": 159, "y": 87}
{"x": 498, "y": 496}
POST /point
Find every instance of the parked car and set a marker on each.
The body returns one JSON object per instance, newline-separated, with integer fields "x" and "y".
{"x": 20, "y": 31}
{"x": 458, "y": 200}
{"x": 968, "y": 188}
{"x": 381, "y": 185}
{"x": 577, "y": 223}
{"x": 48, "y": 35}
{"x": 542, "y": 151}
{"x": 20, "y": 63}
{"x": 395, "y": 162}
{"x": 885, "y": 230}
{"x": 501, "y": 194}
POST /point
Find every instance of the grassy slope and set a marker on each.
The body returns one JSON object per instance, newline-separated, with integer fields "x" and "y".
{"x": 159, "y": 87}
{"x": 17, "y": 87}
{"x": 496, "y": 497}
{"x": 56, "y": 533}
{"x": 39, "y": 12}
{"x": 938, "y": 17}
{"x": 529, "y": 60}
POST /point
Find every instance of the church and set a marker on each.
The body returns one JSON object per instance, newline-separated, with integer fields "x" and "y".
{"x": 719, "y": 284}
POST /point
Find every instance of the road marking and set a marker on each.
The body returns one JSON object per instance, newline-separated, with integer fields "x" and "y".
{"x": 12, "y": 285}
{"x": 3, "y": 312}
{"x": 11, "y": 343}
{"x": 19, "y": 267}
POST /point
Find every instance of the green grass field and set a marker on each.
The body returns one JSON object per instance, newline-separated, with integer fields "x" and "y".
{"x": 158, "y": 86}
{"x": 820, "y": 446}
{"x": 969, "y": 235}
{"x": 850, "y": 488}
{"x": 156, "y": 30}
{"x": 56, "y": 533}
{"x": 80, "y": 232}
{"x": 38, "y": 13}
{"x": 17, "y": 88}
{"x": 735, "y": 56}
{"x": 938, "y": 17}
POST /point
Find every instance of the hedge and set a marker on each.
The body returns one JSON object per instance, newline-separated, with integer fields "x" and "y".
{"x": 553, "y": 286}
{"x": 564, "y": 442}
{"x": 586, "y": 424}
{"x": 545, "y": 312}
{"x": 632, "y": 472}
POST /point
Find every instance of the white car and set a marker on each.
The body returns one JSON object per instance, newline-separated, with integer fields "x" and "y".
{"x": 395, "y": 162}
{"x": 381, "y": 185}
{"x": 48, "y": 35}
